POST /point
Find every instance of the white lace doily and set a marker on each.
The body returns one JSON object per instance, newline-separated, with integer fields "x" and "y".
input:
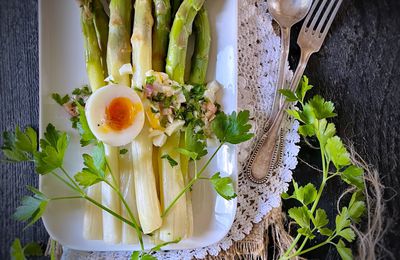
{"x": 259, "y": 49}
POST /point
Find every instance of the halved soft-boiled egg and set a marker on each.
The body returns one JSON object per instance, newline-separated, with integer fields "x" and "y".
{"x": 115, "y": 114}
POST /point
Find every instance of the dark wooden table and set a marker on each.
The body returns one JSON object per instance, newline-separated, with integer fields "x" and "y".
{"x": 358, "y": 69}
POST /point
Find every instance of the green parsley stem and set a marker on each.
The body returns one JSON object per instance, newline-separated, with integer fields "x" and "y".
{"x": 84, "y": 196}
{"x": 315, "y": 204}
{"x": 128, "y": 209}
{"x": 192, "y": 181}
{"x": 67, "y": 183}
{"x": 109, "y": 211}
{"x": 69, "y": 177}
{"x": 67, "y": 198}
{"x": 311, "y": 248}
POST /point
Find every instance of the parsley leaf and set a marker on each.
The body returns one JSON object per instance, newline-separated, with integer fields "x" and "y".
{"x": 19, "y": 146}
{"x": 306, "y": 231}
{"x": 123, "y": 151}
{"x": 300, "y": 215}
{"x": 353, "y": 175}
{"x": 150, "y": 79}
{"x": 356, "y": 206}
{"x": 302, "y": 89}
{"x": 233, "y": 129}
{"x": 336, "y": 152}
{"x": 290, "y": 96}
{"x": 344, "y": 252}
{"x": 342, "y": 220}
{"x": 95, "y": 170}
{"x": 171, "y": 161}
{"x": 320, "y": 218}
{"x": 32, "y": 209}
{"x": 322, "y": 108}
{"x": 61, "y": 100}
{"x": 16, "y": 251}
{"x": 33, "y": 249}
{"x": 223, "y": 186}
{"x": 189, "y": 154}
{"x": 324, "y": 131}
{"x": 194, "y": 142}
{"x": 347, "y": 234}
{"x": 306, "y": 194}
{"x": 87, "y": 137}
{"x": 53, "y": 148}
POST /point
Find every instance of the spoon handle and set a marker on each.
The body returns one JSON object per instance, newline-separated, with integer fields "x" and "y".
{"x": 285, "y": 41}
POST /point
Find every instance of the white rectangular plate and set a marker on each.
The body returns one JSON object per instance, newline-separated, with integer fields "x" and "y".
{"x": 62, "y": 68}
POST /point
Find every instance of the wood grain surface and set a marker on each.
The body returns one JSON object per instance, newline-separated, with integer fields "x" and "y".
{"x": 358, "y": 69}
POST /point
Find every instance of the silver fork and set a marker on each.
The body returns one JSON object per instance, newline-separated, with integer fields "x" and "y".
{"x": 310, "y": 40}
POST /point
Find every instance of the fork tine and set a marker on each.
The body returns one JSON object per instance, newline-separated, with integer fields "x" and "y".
{"x": 332, "y": 17}
{"x": 325, "y": 16}
{"x": 309, "y": 15}
{"x": 318, "y": 14}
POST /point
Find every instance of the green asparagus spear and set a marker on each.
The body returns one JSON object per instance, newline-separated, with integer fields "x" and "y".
{"x": 198, "y": 71}
{"x": 161, "y": 29}
{"x": 119, "y": 47}
{"x": 92, "y": 50}
{"x": 179, "y": 36}
{"x": 101, "y": 21}
{"x": 175, "y": 6}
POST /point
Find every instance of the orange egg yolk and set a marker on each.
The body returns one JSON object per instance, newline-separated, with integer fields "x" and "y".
{"x": 120, "y": 113}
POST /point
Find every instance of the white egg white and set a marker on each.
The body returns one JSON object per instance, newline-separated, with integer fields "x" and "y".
{"x": 95, "y": 111}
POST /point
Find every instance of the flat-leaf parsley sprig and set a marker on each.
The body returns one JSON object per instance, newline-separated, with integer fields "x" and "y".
{"x": 311, "y": 220}
{"x": 23, "y": 146}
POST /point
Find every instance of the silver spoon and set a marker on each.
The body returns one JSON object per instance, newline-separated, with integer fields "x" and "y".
{"x": 286, "y": 13}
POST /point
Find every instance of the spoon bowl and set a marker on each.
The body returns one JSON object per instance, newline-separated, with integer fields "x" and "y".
{"x": 288, "y": 12}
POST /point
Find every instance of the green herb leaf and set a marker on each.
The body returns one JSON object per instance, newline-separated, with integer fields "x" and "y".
{"x": 171, "y": 161}
{"x": 306, "y": 194}
{"x": 303, "y": 88}
{"x": 150, "y": 79}
{"x": 336, "y": 152}
{"x": 320, "y": 218}
{"x": 342, "y": 220}
{"x": 344, "y": 252}
{"x": 189, "y": 154}
{"x": 300, "y": 215}
{"x": 95, "y": 170}
{"x": 16, "y": 251}
{"x": 31, "y": 210}
{"x": 60, "y": 100}
{"x": 87, "y": 137}
{"x": 19, "y": 146}
{"x": 306, "y": 130}
{"x": 123, "y": 151}
{"x": 232, "y": 129}
{"x": 223, "y": 186}
{"x": 325, "y": 131}
{"x": 305, "y": 231}
{"x": 325, "y": 231}
{"x": 137, "y": 255}
{"x": 295, "y": 113}
{"x": 33, "y": 249}
{"x": 347, "y": 234}
{"x": 195, "y": 142}
{"x": 290, "y": 96}
{"x": 356, "y": 206}
{"x": 53, "y": 148}
{"x": 353, "y": 175}
{"x": 322, "y": 108}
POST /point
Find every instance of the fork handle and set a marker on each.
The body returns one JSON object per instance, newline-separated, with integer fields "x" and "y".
{"x": 285, "y": 42}
{"x": 264, "y": 161}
